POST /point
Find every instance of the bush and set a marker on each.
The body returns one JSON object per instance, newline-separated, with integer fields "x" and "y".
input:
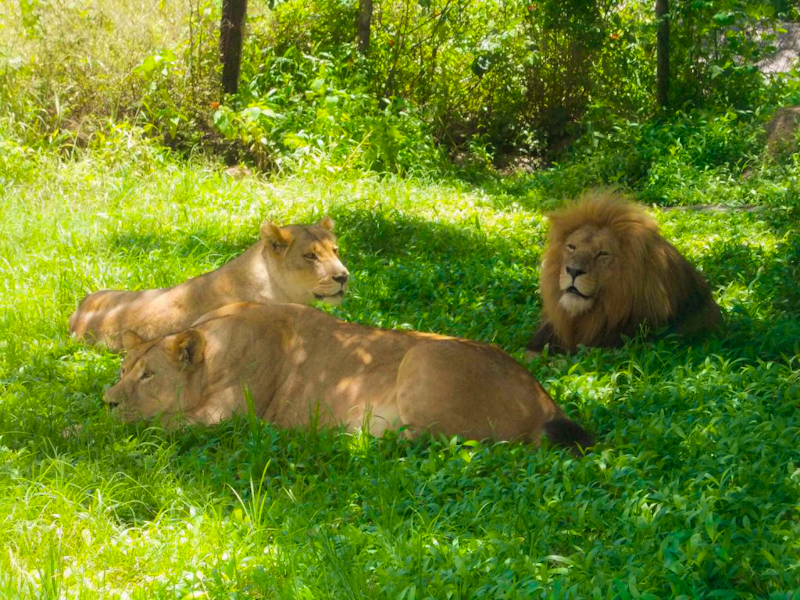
{"x": 512, "y": 73}
{"x": 479, "y": 76}
{"x": 664, "y": 160}
{"x": 715, "y": 47}
{"x": 301, "y": 110}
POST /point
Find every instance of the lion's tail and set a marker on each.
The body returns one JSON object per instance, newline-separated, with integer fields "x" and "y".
{"x": 568, "y": 433}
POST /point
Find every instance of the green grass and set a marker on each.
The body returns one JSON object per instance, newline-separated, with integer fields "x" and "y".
{"x": 692, "y": 491}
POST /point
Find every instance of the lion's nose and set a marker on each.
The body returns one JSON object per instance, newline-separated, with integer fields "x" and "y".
{"x": 342, "y": 279}
{"x": 110, "y": 399}
{"x": 574, "y": 273}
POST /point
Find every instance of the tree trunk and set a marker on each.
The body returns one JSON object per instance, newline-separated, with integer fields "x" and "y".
{"x": 662, "y": 54}
{"x": 363, "y": 25}
{"x": 231, "y": 31}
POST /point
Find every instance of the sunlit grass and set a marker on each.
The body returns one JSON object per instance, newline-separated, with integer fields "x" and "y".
{"x": 692, "y": 490}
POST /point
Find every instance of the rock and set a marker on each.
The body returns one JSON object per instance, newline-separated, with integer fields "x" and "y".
{"x": 781, "y": 131}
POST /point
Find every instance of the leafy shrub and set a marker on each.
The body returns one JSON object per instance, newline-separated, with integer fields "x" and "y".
{"x": 299, "y": 110}
{"x": 492, "y": 76}
{"x": 180, "y": 82}
{"x": 663, "y": 159}
{"x": 508, "y": 72}
{"x": 715, "y": 46}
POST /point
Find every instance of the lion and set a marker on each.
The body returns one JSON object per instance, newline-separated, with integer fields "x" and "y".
{"x": 295, "y": 263}
{"x": 607, "y": 272}
{"x": 292, "y": 365}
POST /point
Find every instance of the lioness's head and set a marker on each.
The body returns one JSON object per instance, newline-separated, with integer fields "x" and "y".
{"x": 587, "y": 266}
{"x": 158, "y": 377}
{"x": 305, "y": 261}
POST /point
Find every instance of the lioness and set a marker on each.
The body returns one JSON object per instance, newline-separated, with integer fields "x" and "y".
{"x": 301, "y": 364}
{"x": 295, "y": 263}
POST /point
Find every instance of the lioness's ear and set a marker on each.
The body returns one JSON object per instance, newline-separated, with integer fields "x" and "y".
{"x": 326, "y": 223}
{"x": 131, "y": 339}
{"x": 276, "y": 237}
{"x": 187, "y": 349}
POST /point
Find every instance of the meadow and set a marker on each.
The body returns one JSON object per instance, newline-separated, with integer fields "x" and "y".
{"x": 691, "y": 492}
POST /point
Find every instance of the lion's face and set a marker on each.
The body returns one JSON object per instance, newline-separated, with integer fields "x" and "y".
{"x": 157, "y": 377}
{"x": 308, "y": 261}
{"x": 589, "y": 257}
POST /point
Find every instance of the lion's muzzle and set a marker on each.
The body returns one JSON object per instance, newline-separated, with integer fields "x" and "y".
{"x": 574, "y": 300}
{"x": 333, "y": 291}
{"x": 114, "y": 396}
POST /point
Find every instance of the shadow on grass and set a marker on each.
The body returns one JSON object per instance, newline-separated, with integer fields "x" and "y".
{"x": 763, "y": 320}
{"x": 455, "y": 279}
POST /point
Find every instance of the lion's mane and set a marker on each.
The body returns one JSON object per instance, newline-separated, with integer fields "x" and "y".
{"x": 652, "y": 282}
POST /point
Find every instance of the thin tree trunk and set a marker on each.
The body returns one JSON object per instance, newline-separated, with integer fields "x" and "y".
{"x": 363, "y": 25}
{"x": 231, "y": 31}
{"x": 662, "y": 54}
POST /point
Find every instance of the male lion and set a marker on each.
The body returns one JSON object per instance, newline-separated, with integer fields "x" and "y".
{"x": 300, "y": 364}
{"x": 295, "y": 263}
{"x": 607, "y": 271}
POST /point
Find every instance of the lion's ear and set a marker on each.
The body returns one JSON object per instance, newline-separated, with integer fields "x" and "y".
{"x": 278, "y": 239}
{"x": 188, "y": 348}
{"x": 326, "y": 223}
{"x": 131, "y": 340}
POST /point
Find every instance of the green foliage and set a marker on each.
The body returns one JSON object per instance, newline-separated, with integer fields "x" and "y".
{"x": 67, "y": 69}
{"x": 511, "y": 72}
{"x": 691, "y": 493}
{"x": 302, "y": 111}
{"x": 690, "y": 158}
{"x": 515, "y": 76}
{"x": 179, "y": 81}
{"x": 440, "y": 75}
{"x": 715, "y": 47}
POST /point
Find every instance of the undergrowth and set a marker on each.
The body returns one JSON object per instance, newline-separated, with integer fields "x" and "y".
{"x": 691, "y": 493}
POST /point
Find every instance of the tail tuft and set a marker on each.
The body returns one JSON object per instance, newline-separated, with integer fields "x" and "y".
{"x": 567, "y": 433}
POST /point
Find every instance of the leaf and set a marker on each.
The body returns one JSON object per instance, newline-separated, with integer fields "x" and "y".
{"x": 724, "y": 594}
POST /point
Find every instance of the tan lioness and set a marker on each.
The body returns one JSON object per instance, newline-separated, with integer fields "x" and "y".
{"x": 295, "y": 263}
{"x": 302, "y": 365}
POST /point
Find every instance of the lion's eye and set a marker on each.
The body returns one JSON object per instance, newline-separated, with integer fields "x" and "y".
{"x": 146, "y": 375}
{"x": 310, "y": 256}
{"x": 602, "y": 253}
{"x": 571, "y": 247}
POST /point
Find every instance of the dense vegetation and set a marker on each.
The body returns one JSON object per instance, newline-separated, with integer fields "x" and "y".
{"x": 112, "y": 151}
